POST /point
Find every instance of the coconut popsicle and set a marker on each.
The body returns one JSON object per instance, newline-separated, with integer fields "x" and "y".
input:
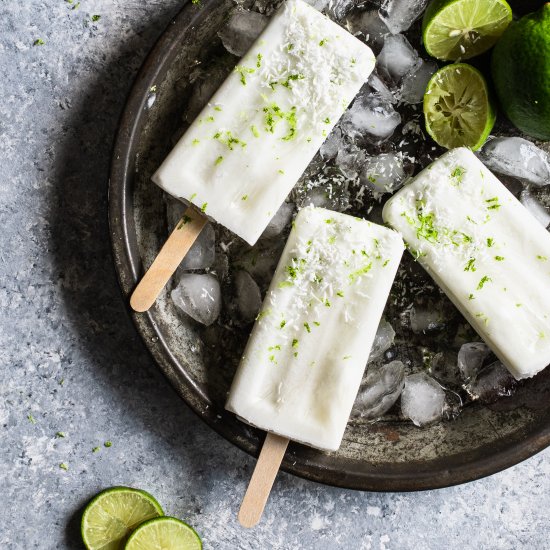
{"x": 486, "y": 251}
{"x": 249, "y": 146}
{"x": 305, "y": 358}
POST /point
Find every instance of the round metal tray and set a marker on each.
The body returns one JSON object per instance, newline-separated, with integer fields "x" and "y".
{"x": 388, "y": 456}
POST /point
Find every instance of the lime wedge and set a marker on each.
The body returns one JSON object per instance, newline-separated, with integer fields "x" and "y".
{"x": 458, "y": 109}
{"x": 113, "y": 514}
{"x": 164, "y": 533}
{"x": 461, "y": 29}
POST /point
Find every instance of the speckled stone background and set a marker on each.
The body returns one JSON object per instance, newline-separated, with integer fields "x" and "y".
{"x": 71, "y": 362}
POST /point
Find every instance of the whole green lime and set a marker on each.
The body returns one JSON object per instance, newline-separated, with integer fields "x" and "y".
{"x": 521, "y": 73}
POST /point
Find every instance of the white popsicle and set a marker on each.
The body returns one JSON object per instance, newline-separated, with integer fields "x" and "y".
{"x": 486, "y": 251}
{"x": 303, "y": 364}
{"x": 252, "y": 142}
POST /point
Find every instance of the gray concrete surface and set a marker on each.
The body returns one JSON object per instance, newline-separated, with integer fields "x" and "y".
{"x": 71, "y": 362}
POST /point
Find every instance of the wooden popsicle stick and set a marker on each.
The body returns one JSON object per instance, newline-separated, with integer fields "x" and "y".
{"x": 169, "y": 258}
{"x": 262, "y": 479}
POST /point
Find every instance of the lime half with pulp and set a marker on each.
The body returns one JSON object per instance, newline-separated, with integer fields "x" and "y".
{"x": 458, "y": 109}
{"x": 113, "y": 514}
{"x": 461, "y": 29}
{"x": 164, "y": 533}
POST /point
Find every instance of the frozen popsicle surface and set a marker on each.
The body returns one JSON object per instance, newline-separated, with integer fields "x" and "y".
{"x": 305, "y": 358}
{"x": 486, "y": 251}
{"x": 250, "y": 145}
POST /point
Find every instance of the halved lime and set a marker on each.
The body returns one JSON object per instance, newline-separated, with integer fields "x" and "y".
{"x": 458, "y": 108}
{"x": 113, "y": 514}
{"x": 164, "y": 533}
{"x": 461, "y": 29}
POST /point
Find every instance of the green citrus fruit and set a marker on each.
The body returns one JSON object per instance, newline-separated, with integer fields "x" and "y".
{"x": 521, "y": 73}
{"x": 461, "y": 29}
{"x": 113, "y": 514}
{"x": 164, "y": 533}
{"x": 458, "y": 108}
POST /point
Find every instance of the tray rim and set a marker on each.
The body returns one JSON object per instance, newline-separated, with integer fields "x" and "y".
{"x": 127, "y": 267}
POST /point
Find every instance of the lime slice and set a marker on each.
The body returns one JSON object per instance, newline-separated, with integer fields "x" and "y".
{"x": 164, "y": 533}
{"x": 461, "y": 29}
{"x": 458, "y": 109}
{"x": 113, "y": 514}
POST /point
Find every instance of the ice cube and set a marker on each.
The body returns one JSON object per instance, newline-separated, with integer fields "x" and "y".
{"x": 260, "y": 261}
{"x": 426, "y": 319}
{"x": 333, "y": 197}
{"x": 334, "y": 142}
{"x": 241, "y": 30}
{"x": 423, "y": 399}
{"x": 517, "y": 157}
{"x": 371, "y": 116}
{"x": 247, "y": 296}
{"x": 174, "y": 212}
{"x": 198, "y": 296}
{"x": 471, "y": 357}
{"x": 415, "y": 82}
{"x": 379, "y": 88}
{"x": 282, "y": 219}
{"x": 492, "y": 383}
{"x": 383, "y": 340}
{"x": 338, "y": 9}
{"x": 203, "y": 253}
{"x": 318, "y": 4}
{"x": 221, "y": 266}
{"x": 205, "y": 84}
{"x": 444, "y": 369}
{"x": 399, "y": 15}
{"x": 370, "y": 25}
{"x": 535, "y": 207}
{"x": 397, "y": 58}
{"x": 383, "y": 173}
{"x": 267, "y": 7}
{"x": 380, "y": 389}
{"x": 350, "y": 160}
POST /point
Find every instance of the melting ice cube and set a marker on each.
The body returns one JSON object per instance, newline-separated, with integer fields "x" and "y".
{"x": 241, "y": 30}
{"x": 399, "y": 15}
{"x": 380, "y": 389}
{"x": 383, "y": 173}
{"x": 471, "y": 357}
{"x": 492, "y": 383}
{"x": 205, "y": 84}
{"x": 198, "y": 296}
{"x": 415, "y": 83}
{"x": 281, "y": 220}
{"x": 535, "y": 207}
{"x": 247, "y": 296}
{"x": 318, "y": 4}
{"x": 202, "y": 254}
{"x": 397, "y": 58}
{"x": 338, "y": 9}
{"x": 422, "y": 400}
{"x": 350, "y": 160}
{"x": 383, "y": 340}
{"x": 371, "y": 116}
{"x": 426, "y": 319}
{"x": 370, "y": 25}
{"x": 379, "y": 88}
{"x": 517, "y": 157}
